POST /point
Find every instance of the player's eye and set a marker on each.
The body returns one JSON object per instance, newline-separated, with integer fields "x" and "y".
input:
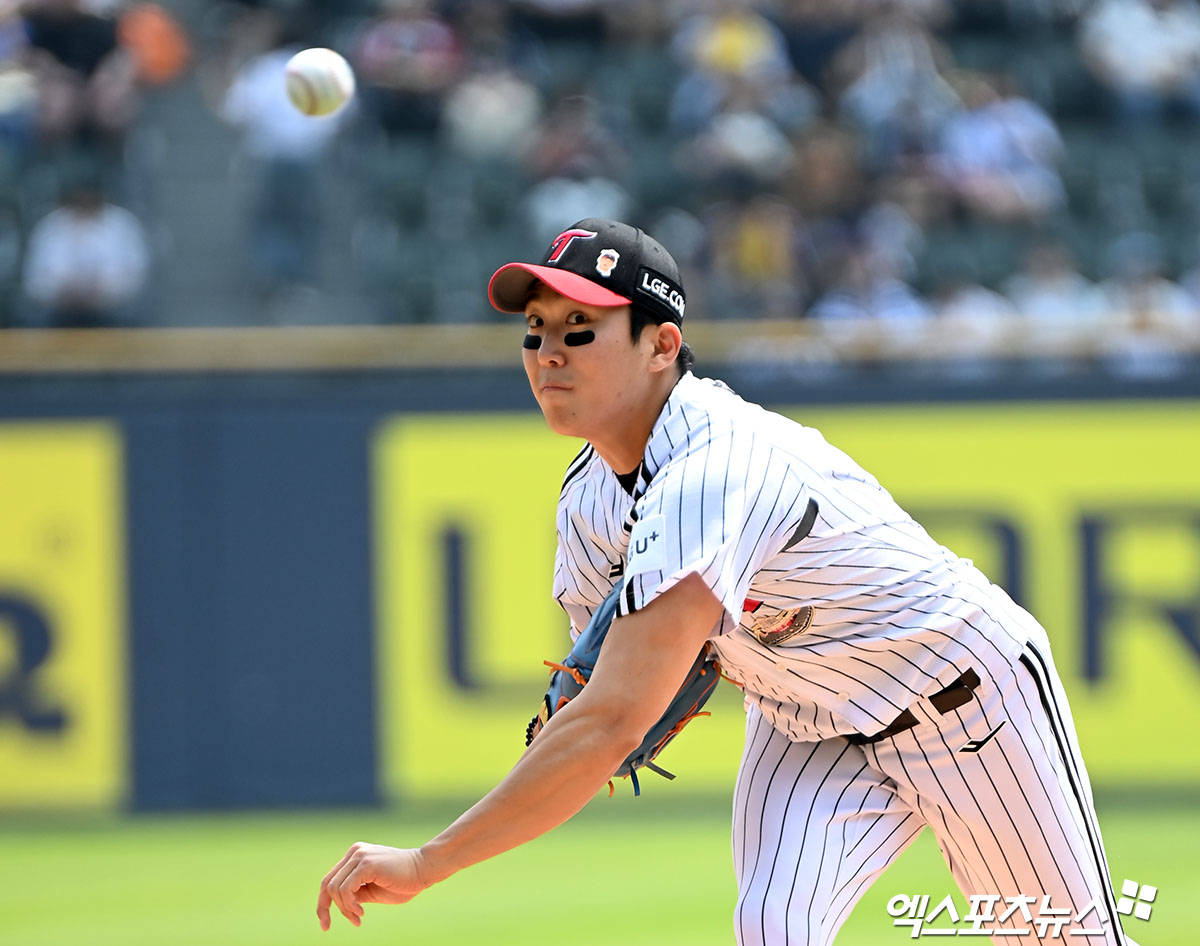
{"x": 534, "y": 321}
{"x": 577, "y": 318}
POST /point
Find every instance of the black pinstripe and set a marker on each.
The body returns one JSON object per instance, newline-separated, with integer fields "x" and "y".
{"x": 807, "y": 821}
{"x": 1064, "y": 744}
{"x": 824, "y": 860}
{"x": 1029, "y": 804}
{"x": 577, "y": 465}
{"x": 981, "y": 859}
{"x": 762, "y": 820}
{"x": 761, "y": 729}
{"x": 816, "y": 867}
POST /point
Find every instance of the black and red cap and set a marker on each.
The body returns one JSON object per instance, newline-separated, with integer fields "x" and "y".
{"x": 598, "y": 262}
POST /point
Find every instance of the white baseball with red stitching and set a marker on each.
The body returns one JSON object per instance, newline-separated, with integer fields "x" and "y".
{"x": 319, "y": 81}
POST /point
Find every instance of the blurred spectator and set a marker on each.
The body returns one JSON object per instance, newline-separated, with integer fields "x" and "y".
{"x": 971, "y": 322}
{"x": 1190, "y": 278}
{"x": 491, "y": 112}
{"x": 236, "y": 32}
{"x": 156, "y": 40}
{"x": 1145, "y": 52}
{"x": 573, "y": 36}
{"x": 87, "y": 81}
{"x": 815, "y": 31}
{"x": 1138, "y": 281}
{"x": 570, "y": 138}
{"x": 18, "y": 88}
{"x": 736, "y": 60}
{"x": 406, "y": 58}
{"x": 1034, "y": 16}
{"x": 490, "y": 39}
{"x": 827, "y": 185}
{"x": 869, "y": 310}
{"x": 738, "y": 102}
{"x": 283, "y": 149}
{"x": 1152, "y": 320}
{"x": 892, "y": 227}
{"x": 889, "y": 81}
{"x": 731, "y": 38}
{"x": 740, "y": 149}
{"x": 582, "y": 22}
{"x": 87, "y": 262}
{"x": 1050, "y": 293}
{"x": 756, "y": 267}
{"x": 827, "y": 177}
{"x": 843, "y": 207}
{"x": 998, "y": 154}
{"x": 576, "y": 161}
{"x": 959, "y": 298}
{"x": 583, "y": 192}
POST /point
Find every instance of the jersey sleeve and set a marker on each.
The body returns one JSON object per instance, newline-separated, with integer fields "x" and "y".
{"x": 720, "y": 511}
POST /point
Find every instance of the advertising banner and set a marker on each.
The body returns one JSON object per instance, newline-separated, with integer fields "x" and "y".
{"x": 1088, "y": 513}
{"x": 63, "y": 729}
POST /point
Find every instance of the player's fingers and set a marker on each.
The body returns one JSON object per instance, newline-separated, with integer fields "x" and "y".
{"x": 323, "y": 902}
{"x": 323, "y": 896}
{"x": 328, "y": 894}
{"x": 351, "y": 886}
{"x": 343, "y": 892}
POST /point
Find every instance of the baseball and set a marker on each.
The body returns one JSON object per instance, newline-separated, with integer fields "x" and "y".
{"x": 319, "y": 81}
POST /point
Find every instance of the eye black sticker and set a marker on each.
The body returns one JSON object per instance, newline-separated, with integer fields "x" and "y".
{"x": 575, "y": 339}
{"x": 532, "y": 342}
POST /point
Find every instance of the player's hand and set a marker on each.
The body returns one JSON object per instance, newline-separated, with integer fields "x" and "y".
{"x": 370, "y": 873}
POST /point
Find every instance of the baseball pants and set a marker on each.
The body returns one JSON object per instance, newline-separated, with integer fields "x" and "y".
{"x": 1000, "y": 782}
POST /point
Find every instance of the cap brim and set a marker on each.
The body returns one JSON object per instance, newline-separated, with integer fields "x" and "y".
{"x": 510, "y": 284}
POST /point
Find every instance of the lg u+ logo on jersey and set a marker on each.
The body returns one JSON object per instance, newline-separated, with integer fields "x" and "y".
{"x": 647, "y": 545}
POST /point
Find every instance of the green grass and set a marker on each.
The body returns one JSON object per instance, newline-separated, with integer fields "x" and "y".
{"x": 626, "y": 871}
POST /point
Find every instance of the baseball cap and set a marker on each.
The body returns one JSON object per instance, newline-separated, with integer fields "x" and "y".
{"x": 598, "y": 262}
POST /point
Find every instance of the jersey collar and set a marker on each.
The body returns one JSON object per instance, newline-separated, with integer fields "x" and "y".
{"x": 670, "y": 434}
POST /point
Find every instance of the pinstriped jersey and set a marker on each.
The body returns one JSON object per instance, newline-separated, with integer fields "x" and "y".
{"x": 839, "y": 609}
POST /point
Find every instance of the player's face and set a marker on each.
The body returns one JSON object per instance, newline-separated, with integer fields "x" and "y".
{"x": 587, "y": 373}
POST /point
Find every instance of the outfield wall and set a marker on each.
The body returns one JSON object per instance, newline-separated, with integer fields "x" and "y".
{"x": 329, "y": 590}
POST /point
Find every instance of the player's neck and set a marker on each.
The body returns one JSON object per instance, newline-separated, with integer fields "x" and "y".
{"x": 624, "y": 457}
{"x": 622, "y": 445}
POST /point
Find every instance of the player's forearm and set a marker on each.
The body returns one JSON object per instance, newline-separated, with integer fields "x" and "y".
{"x": 567, "y": 763}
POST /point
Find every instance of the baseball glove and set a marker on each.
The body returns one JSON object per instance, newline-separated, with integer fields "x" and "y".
{"x": 567, "y": 680}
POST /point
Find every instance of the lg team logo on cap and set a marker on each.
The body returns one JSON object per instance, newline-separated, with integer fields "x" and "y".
{"x": 606, "y": 262}
{"x": 565, "y": 239}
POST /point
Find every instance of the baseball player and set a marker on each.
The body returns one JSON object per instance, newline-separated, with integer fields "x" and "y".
{"x": 889, "y": 685}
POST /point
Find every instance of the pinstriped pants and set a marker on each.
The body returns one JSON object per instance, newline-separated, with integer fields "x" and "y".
{"x": 815, "y": 823}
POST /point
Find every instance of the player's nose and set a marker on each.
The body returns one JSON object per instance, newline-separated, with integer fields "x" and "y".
{"x": 552, "y": 352}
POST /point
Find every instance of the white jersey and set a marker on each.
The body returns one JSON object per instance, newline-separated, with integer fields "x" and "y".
{"x": 843, "y": 616}
{"x": 840, "y": 610}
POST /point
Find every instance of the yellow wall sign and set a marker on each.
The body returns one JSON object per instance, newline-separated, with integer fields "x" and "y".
{"x": 1089, "y": 512}
{"x": 62, "y": 650}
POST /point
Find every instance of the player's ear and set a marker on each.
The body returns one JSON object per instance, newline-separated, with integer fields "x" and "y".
{"x": 667, "y": 342}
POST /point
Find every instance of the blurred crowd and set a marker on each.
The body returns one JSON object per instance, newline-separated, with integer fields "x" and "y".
{"x": 72, "y": 80}
{"x": 961, "y": 176}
